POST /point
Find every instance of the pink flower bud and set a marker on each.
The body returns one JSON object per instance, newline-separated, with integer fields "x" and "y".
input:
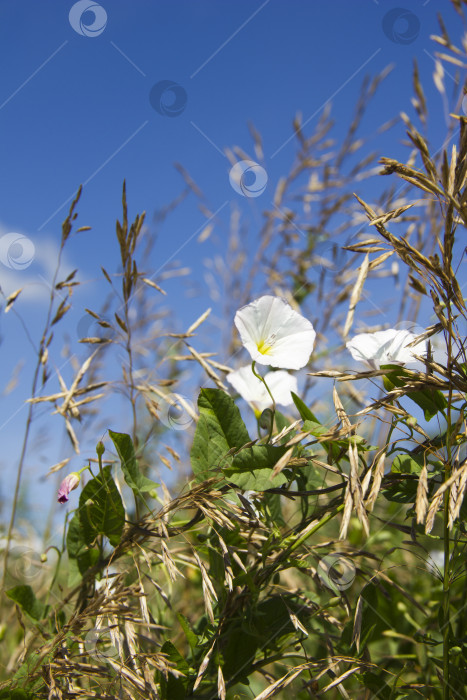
{"x": 69, "y": 483}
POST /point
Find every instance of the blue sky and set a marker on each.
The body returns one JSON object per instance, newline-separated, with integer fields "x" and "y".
{"x": 75, "y": 109}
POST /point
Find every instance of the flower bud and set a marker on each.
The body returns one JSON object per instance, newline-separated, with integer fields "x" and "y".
{"x": 68, "y": 484}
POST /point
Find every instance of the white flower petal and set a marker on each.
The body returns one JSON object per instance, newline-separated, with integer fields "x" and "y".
{"x": 388, "y": 347}
{"x": 251, "y": 389}
{"x": 274, "y": 334}
{"x": 281, "y": 384}
{"x": 248, "y": 386}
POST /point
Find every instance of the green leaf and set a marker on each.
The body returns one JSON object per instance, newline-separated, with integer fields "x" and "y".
{"x": 251, "y": 469}
{"x": 377, "y": 683}
{"x": 87, "y": 559}
{"x": 378, "y": 611}
{"x": 337, "y": 448}
{"x": 189, "y": 634}
{"x": 281, "y": 422}
{"x": 27, "y": 601}
{"x": 303, "y": 409}
{"x": 408, "y": 464}
{"x": 80, "y": 557}
{"x": 22, "y": 679}
{"x": 431, "y": 401}
{"x": 74, "y": 574}
{"x": 274, "y": 504}
{"x": 133, "y": 476}
{"x": 101, "y": 509}
{"x": 219, "y": 429}
{"x": 400, "y": 491}
{"x": 314, "y": 478}
{"x": 315, "y": 429}
{"x": 239, "y": 653}
{"x": 79, "y": 566}
{"x": 258, "y": 628}
{"x": 75, "y": 542}
{"x": 173, "y": 688}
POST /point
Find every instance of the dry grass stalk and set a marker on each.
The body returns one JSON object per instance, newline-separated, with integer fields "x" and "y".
{"x": 378, "y": 474}
{"x": 209, "y": 593}
{"x": 341, "y": 678}
{"x": 457, "y": 493}
{"x": 365, "y": 483}
{"x": 341, "y": 414}
{"x": 204, "y": 665}
{"x": 357, "y": 623}
{"x": 229, "y": 575}
{"x": 57, "y": 467}
{"x": 208, "y": 369}
{"x": 421, "y": 503}
{"x": 172, "y": 569}
{"x": 281, "y": 463}
{"x": 282, "y": 683}
{"x": 220, "y": 683}
{"x": 10, "y": 300}
{"x": 354, "y": 493}
{"x": 356, "y": 294}
{"x": 297, "y": 624}
{"x": 356, "y": 488}
{"x": 433, "y": 509}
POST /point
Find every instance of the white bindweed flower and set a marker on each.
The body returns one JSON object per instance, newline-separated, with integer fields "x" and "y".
{"x": 274, "y": 334}
{"x": 250, "y": 388}
{"x": 388, "y": 347}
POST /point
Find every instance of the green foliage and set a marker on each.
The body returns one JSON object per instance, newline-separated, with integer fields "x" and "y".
{"x": 261, "y": 628}
{"x": 431, "y": 401}
{"x": 219, "y": 431}
{"x": 408, "y": 464}
{"x": 25, "y": 598}
{"x": 133, "y": 476}
{"x": 251, "y": 469}
{"x": 101, "y": 509}
{"x": 303, "y": 409}
{"x": 191, "y": 637}
{"x": 173, "y": 687}
{"x": 80, "y": 556}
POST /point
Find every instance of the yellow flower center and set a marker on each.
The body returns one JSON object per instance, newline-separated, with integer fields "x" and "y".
{"x": 265, "y": 346}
